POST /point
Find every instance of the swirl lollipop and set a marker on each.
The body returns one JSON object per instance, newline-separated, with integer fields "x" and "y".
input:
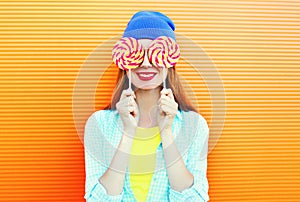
{"x": 164, "y": 52}
{"x": 128, "y": 53}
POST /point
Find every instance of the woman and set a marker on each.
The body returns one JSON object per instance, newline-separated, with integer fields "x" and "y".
{"x": 160, "y": 139}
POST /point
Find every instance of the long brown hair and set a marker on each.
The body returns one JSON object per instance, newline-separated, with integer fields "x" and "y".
{"x": 173, "y": 82}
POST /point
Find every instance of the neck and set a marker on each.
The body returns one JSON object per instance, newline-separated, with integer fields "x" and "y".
{"x": 147, "y": 103}
{"x": 146, "y": 99}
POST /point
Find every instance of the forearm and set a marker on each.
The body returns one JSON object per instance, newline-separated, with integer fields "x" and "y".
{"x": 114, "y": 177}
{"x": 179, "y": 176}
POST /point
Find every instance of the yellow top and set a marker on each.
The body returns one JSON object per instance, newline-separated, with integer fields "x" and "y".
{"x": 142, "y": 160}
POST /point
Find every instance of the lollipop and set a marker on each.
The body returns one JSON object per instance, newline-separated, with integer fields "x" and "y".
{"x": 128, "y": 53}
{"x": 164, "y": 53}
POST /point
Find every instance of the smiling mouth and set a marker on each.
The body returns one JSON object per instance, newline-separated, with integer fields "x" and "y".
{"x": 146, "y": 76}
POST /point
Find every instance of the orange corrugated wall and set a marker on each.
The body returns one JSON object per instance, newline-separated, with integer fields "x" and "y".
{"x": 254, "y": 46}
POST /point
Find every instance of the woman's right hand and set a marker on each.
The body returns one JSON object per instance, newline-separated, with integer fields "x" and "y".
{"x": 128, "y": 110}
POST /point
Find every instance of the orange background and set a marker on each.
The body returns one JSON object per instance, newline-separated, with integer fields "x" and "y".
{"x": 253, "y": 44}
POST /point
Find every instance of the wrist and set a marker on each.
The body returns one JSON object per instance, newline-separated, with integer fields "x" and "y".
{"x": 129, "y": 131}
{"x": 166, "y": 137}
{"x": 166, "y": 131}
{"x": 125, "y": 143}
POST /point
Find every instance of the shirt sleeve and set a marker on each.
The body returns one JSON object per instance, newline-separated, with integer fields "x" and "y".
{"x": 94, "y": 190}
{"x": 197, "y": 165}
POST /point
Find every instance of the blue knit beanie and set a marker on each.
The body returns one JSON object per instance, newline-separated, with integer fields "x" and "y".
{"x": 149, "y": 25}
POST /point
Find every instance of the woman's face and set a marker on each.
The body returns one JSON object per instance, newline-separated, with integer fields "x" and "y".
{"x": 146, "y": 76}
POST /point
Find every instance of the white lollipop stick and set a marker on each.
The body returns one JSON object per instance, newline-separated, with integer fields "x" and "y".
{"x": 164, "y": 78}
{"x": 129, "y": 77}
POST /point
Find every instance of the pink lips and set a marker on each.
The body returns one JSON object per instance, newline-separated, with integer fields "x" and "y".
{"x": 146, "y": 76}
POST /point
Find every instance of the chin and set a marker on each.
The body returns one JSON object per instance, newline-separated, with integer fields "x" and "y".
{"x": 148, "y": 87}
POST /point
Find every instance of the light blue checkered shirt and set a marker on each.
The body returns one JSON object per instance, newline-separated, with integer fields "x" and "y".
{"x": 103, "y": 132}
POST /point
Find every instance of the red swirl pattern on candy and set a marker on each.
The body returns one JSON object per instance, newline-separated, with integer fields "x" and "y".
{"x": 128, "y": 53}
{"x": 164, "y": 52}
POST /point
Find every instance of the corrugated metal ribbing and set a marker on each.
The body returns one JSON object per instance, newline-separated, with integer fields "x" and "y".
{"x": 254, "y": 45}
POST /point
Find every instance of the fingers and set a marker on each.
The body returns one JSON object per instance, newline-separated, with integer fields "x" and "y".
{"x": 127, "y": 93}
{"x": 169, "y": 108}
{"x": 127, "y": 104}
{"x": 166, "y": 97}
{"x": 167, "y": 103}
{"x": 132, "y": 106}
{"x": 167, "y": 92}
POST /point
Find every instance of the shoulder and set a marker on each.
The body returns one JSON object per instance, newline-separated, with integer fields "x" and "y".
{"x": 195, "y": 125}
{"x": 107, "y": 123}
{"x": 104, "y": 114}
{"x": 102, "y": 118}
{"x": 193, "y": 117}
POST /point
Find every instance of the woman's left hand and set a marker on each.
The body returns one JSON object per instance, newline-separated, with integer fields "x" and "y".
{"x": 167, "y": 110}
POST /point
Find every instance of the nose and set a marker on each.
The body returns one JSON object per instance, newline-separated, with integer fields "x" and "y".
{"x": 146, "y": 63}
